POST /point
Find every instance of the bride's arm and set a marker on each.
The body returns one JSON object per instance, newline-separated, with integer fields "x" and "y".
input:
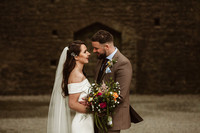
{"x": 75, "y": 105}
{"x": 76, "y": 77}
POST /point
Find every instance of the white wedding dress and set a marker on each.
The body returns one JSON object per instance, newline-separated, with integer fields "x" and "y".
{"x": 59, "y": 116}
{"x": 82, "y": 123}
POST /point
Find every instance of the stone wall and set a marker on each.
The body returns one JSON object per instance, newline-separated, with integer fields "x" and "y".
{"x": 160, "y": 38}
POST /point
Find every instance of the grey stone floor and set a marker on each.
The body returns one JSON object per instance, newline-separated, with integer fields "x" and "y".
{"x": 162, "y": 114}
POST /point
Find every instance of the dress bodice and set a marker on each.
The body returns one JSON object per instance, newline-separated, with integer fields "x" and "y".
{"x": 81, "y": 87}
{"x": 82, "y": 123}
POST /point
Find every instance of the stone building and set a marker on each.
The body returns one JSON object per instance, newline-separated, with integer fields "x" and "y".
{"x": 161, "y": 38}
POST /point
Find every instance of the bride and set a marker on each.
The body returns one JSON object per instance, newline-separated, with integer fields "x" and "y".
{"x": 70, "y": 87}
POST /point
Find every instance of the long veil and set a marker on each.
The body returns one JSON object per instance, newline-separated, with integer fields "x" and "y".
{"x": 59, "y": 118}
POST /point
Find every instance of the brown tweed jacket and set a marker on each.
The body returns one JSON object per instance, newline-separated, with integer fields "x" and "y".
{"x": 121, "y": 72}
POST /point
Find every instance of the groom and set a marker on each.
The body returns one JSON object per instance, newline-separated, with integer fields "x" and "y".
{"x": 103, "y": 46}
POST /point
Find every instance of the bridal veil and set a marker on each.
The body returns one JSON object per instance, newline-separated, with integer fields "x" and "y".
{"x": 59, "y": 118}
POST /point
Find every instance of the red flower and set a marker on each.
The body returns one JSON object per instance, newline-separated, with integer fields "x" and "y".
{"x": 99, "y": 94}
{"x": 103, "y": 105}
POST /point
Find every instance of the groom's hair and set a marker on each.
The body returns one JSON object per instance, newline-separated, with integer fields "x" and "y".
{"x": 102, "y": 37}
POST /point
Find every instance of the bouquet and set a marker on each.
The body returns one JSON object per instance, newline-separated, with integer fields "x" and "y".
{"x": 102, "y": 100}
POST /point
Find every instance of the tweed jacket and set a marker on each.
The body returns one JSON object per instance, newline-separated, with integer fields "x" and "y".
{"x": 121, "y": 72}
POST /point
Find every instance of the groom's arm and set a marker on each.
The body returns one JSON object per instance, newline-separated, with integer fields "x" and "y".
{"x": 73, "y": 97}
{"x": 75, "y": 105}
{"x": 84, "y": 102}
{"x": 124, "y": 76}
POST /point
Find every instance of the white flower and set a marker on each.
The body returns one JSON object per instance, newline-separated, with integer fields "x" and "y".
{"x": 111, "y": 93}
{"x": 90, "y": 99}
{"x": 109, "y": 121}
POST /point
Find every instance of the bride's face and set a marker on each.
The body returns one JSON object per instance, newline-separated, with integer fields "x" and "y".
{"x": 83, "y": 57}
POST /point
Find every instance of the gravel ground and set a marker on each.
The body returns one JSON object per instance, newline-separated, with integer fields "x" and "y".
{"x": 161, "y": 114}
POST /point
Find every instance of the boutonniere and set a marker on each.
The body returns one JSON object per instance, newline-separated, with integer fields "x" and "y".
{"x": 110, "y": 64}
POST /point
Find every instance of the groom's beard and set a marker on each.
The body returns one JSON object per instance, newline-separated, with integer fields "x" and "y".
{"x": 101, "y": 56}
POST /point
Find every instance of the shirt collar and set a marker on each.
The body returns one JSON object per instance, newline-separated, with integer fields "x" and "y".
{"x": 111, "y": 55}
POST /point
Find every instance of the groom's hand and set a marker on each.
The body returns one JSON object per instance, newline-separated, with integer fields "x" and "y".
{"x": 84, "y": 102}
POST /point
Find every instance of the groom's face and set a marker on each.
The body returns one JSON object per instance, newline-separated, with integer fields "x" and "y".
{"x": 99, "y": 50}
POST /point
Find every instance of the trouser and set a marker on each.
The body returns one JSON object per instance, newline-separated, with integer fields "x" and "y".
{"x": 109, "y": 131}
{"x": 113, "y": 131}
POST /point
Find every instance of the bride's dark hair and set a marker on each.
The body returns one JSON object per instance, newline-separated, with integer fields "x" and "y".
{"x": 74, "y": 50}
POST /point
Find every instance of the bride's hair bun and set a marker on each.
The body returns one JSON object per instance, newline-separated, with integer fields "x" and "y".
{"x": 74, "y": 47}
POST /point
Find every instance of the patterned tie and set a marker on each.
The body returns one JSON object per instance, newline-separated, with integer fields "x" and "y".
{"x": 101, "y": 70}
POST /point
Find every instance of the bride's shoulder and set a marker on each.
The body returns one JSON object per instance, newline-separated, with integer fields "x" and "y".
{"x": 75, "y": 77}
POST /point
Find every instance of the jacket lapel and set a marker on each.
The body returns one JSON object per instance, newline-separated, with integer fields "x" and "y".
{"x": 108, "y": 75}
